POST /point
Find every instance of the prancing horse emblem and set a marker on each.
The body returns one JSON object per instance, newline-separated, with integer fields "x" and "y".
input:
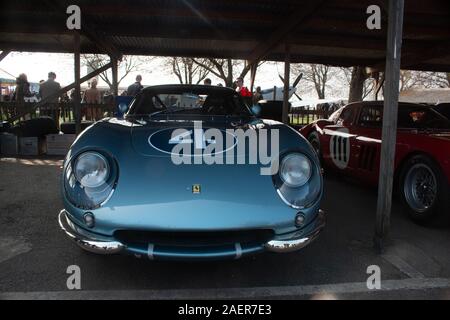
{"x": 196, "y": 189}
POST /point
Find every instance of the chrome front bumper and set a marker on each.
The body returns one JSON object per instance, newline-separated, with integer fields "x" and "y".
{"x": 103, "y": 245}
{"x": 283, "y": 246}
{"x": 89, "y": 243}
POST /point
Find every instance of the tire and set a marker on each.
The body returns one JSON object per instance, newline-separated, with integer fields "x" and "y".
{"x": 314, "y": 140}
{"x": 424, "y": 190}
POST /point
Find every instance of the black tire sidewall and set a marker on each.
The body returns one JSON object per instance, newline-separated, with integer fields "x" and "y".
{"x": 440, "y": 204}
{"x": 313, "y": 137}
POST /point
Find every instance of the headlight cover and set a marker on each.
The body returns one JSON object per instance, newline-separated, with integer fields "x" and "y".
{"x": 298, "y": 181}
{"x": 91, "y": 169}
{"x": 295, "y": 170}
{"x": 90, "y": 179}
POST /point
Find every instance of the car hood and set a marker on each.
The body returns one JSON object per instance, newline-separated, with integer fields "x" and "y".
{"x": 167, "y": 138}
{"x": 154, "y": 193}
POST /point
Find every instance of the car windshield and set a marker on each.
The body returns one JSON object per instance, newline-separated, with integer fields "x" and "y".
{"x": 421, "y": 118}
{"x": 335, "y": 115}
{"x": 182, "y": 101}
{"x": 409, "y": 117}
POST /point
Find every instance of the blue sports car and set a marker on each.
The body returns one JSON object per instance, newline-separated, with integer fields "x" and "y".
{"x": 189, "y": 173}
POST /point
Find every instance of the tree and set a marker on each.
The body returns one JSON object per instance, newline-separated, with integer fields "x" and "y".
{"x": 186, "y": 70}
{"x": 422, "y": 79}
{"x": 128, "y": 65}
{"x": 360, "y": 88}
{"x": 317, "y": 75}
{"x": 225, "y": 69}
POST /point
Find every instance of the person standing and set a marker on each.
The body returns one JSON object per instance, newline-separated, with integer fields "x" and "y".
{"x": 207, "y": 82}
{"x": 92, "y": 96}
{"x": 243, "y": 91}
{"x": 22, "y": 89}
{"x": 257, "y": 96}
{"x": 136, "y": 87}
{"x": 49, "y": 89}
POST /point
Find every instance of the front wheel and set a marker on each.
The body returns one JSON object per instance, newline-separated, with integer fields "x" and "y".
{"x": 423, "y": 189}
{"x": 314, "y": 140}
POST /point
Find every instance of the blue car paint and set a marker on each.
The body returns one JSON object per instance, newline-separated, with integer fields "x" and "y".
{"x": 154, "y": 194}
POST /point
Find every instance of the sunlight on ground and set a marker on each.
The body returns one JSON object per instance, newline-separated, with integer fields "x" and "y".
{"x": 324, "y": 296}
{"x": 33, "y": 162}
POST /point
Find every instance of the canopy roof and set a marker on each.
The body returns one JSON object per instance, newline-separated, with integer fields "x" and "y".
{"x": 330, "y": 32}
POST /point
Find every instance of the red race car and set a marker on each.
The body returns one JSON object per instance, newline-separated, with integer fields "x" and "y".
{"x": 350, "y": 142}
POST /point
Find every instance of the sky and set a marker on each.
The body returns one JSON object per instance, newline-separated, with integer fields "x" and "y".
{"x": 37, "y": 65}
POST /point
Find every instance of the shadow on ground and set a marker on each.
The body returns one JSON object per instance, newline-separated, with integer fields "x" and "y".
{"x": 35, "y": 253}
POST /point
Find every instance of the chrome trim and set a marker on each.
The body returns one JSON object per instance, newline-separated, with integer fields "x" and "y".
{"x": 283, "y": 246}
{"x": 238, "y": 248}
{"x": 71, "y": 162}
{"x": 89, "y": 244}
{"x": 280, "y": 194}
{"x": 150, "y": 251}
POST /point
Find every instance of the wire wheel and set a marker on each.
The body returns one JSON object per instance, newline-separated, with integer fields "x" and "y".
{"x": 420, "y": 187}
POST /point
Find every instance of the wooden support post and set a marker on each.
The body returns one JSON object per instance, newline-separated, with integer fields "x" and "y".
{"x": 389, "y": 134}
{"x": 115, "y": 76}
{"x": 77, "y": 94}
{"x": 287, "y": 70}
{"x": 253, "y": 75}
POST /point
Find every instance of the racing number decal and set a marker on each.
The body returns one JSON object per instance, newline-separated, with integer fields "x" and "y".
{"x": 340, "y": 148}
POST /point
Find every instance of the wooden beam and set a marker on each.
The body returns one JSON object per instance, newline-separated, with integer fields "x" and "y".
{"x": 287, "y": 71}
{"x": 409, "y": 60}
{"x": 4, "y": 54}
{"x": 96, "y": 37}
{"x": 253, "y": 69}
{"x": 291, "y": 22}
{"x": 389, "y": 132}
{"x": 62, "y": 91}
{"x": 77, "y": 89}
{"x": 115, "y": 77}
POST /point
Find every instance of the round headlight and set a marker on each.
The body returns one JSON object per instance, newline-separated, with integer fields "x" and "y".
{"x": 295, "y": 170}
{"x": 91, "y": 169}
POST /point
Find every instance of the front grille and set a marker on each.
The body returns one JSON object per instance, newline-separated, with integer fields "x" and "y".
{"x": 194, "y": 239}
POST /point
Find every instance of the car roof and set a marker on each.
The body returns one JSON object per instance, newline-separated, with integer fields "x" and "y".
{"x": 191, "y": 88}
{"x": 381, "y": 103}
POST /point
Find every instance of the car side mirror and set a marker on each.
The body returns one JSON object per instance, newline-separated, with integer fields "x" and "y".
{"x": 256, "y": 110}
{"x": 123, "y": 108}
{"x": 123, "y": 104}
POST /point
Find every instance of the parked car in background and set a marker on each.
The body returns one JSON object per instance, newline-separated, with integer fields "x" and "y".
{"x": 350, "y": 142}
{"x": 123, "y": 191}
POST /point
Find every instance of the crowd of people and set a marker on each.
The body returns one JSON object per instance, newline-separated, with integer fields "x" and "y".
{"x": 245, "y": 93}
{"x": 50, "y": 91}
{"x": 92, "y": 95}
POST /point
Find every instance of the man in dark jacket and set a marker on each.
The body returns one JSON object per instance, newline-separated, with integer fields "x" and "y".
{"x": 136, "y": 87}
{"x": 49, "y": 89}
